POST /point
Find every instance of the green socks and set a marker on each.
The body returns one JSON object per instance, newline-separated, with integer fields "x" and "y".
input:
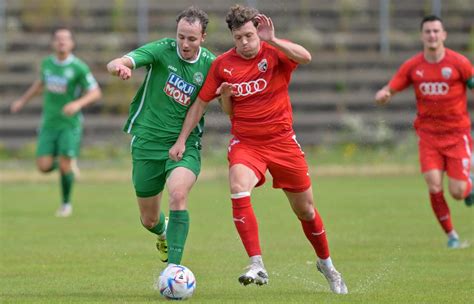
{"x": 67, "y": 180}
{"x": 176, "y": 234}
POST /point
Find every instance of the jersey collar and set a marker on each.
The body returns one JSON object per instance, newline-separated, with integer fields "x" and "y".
{"x": 64, "y": 62}
{"x": 188, "y": 61}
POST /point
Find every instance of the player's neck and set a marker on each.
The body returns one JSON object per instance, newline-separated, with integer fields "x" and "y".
{"x": 436, "y": 55}
{"x": 62, "y": 56}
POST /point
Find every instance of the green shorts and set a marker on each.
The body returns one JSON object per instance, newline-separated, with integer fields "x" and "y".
{"x": 151, "y": 168}
{"x": 65, "y": 142}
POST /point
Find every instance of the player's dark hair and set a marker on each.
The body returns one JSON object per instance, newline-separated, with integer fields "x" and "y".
{"x": 193, "y": 13}
{"x": 61, "y": 28}
{"x": 430, "y": 18}
{"x": 238, "y": 15}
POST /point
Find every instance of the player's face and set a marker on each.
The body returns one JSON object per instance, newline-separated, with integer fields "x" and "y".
{"x": 246, "y": 40}
{"x": 63, "y": 42}
{"x": 433, "y": 35}
{"x": 189, "y": 37}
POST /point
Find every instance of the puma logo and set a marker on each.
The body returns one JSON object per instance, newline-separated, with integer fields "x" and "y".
{"x": 242, "y": 220}
{"x": 228, "y": 71}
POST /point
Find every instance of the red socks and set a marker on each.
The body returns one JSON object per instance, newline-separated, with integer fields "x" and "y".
{"x": 246, "y": 224}
{"x": 315, "y": 233}
{"x": 441, "y": 210}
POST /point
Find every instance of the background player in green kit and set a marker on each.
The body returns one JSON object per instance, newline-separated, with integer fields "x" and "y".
{"x": 68, "y": 86}
{"x": 176, "y": 70}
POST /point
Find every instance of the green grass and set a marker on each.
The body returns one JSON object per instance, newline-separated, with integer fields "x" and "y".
{"x": 382, "y": 233}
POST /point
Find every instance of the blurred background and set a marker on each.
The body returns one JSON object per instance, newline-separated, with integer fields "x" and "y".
{"x": 356, "y": 46}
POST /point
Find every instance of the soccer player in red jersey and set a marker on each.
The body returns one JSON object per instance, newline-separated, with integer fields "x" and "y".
{"x": 252, "y": 79}
{"x": 440, "y": 78}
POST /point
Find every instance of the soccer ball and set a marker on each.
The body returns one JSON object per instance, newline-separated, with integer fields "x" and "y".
{"x": 176, "y": 282}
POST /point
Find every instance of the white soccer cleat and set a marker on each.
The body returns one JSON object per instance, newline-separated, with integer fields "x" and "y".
{"x": 334, "y": 278}
{"x": 255, "y": 274}
{"x": 64, "y": 211}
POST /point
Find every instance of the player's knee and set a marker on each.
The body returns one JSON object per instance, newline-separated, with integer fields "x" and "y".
{"x": 435, "y": 187}
{"x": 177, "y": 199}
{"x": 149, "y": 222}
{"x": 238, "y": 188}
{"x": 457, "y": 193}
{"x": 45, "y": 168}
{"x": 306, "y": 214}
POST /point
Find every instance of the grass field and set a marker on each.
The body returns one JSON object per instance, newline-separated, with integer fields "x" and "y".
{"x": 383, "y": 238}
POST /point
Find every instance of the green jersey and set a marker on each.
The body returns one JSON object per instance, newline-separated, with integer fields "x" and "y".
{"x": 170, "y": 87}
{"x": 63, "y": 82}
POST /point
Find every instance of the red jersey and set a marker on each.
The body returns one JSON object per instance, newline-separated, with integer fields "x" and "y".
{"x": 261, "y": 107}
{"x": 440, "y": 90}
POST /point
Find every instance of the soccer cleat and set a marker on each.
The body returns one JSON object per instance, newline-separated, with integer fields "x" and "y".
{"x": 454, "y": 243}
{"x": 334, "y": 278}
{"x": 255, "y": 274}
{"x": 162, "y": 244}
{"x": 64, "y": 211}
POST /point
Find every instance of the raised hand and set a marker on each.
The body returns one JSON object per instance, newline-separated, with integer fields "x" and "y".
{"x": 265, "y": 29}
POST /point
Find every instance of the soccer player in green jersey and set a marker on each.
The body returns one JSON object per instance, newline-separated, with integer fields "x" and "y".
{"x": 67, "y": 85}
{"x": 176, "y": 70}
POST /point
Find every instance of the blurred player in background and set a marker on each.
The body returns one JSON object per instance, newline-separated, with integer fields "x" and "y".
{"x": 253, "y": 80}
{"x": 440, "y": 78}
{"x": 176, "y": 70}
{"x": 68, "y": 86}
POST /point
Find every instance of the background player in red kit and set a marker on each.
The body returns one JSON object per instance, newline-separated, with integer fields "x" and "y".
{"x": 253, "y": 79}
{"x": 439, "y": 77}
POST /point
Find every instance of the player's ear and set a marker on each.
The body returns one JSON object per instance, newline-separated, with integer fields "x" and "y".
{"x": 203, "y": 37}
{"x": 445, "y": 35}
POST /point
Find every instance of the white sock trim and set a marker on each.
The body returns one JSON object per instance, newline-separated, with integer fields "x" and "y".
{"x": 239, "y": 195}
{"x": 327, "y": 262}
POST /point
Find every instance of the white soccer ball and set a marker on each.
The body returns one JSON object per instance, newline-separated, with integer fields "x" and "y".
{"x": 176, "y": 282}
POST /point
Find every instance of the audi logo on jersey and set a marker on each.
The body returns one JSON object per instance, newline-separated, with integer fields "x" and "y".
{"x": 434, "y": 88}
{"x": 250, "y": 87}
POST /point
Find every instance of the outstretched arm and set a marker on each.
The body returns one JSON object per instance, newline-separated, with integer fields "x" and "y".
{"x": 266, "y": 32}
{"x": 192, "y": 119}
{"x": 120, "y": 67}
{"x": 32, "y": 91}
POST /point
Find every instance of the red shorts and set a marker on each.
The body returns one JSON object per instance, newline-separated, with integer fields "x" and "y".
{"x": 284, "y": 159}
{"x": 446, "y": 152}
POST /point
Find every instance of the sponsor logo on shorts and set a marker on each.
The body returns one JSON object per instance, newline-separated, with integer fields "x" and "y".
{"x": 434, "y": 88}
{"x": 178, "y": 89}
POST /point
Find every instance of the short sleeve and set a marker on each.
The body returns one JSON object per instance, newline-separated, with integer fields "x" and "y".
{"x": 401, "y": 79}
{"x": 87, "y": 81}
{"x": 213, "y": 81}
{"x": 147, "y": 54}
